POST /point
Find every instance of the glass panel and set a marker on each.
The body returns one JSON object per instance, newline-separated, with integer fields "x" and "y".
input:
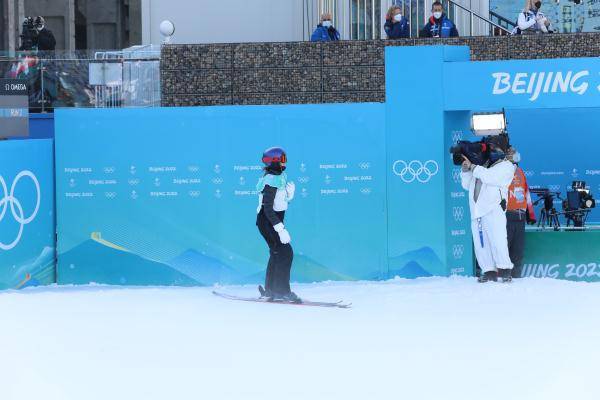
{"x": 354, "y": 19}
{"x": 61, "y": 79}
{"x": 361, "y": 19}
{"x": 368, "y": 19}
{"x": 378, "y": 17}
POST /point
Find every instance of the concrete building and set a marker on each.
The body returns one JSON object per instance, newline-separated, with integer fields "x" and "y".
{"x": 214, "y": 21}
{"x": 76, "y": 24}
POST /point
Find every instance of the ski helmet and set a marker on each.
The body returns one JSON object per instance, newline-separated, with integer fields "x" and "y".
{"x": 273, "y": 158}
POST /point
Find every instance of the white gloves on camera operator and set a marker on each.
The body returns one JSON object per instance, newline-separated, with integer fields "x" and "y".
{"x": 290, "y": 189}
{"x": 284, "y": 235}
{"x": 467, "y": 165}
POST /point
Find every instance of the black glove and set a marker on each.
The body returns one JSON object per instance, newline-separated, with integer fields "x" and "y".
{"x": 530, "y": 221}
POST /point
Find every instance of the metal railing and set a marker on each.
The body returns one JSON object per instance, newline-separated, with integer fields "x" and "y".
{"x": 502, "y": 21}
{"x": 364, "y": 19}
{"x": 484, "y": 25}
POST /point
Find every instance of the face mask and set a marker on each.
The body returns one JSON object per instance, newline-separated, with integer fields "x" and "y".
{"x": 538, "y": 4}
{"x": 516, "y": 158}
{"x": 437, "y": 15}
{"x": 326, "y": 24}
{"x": 398, "y": 17}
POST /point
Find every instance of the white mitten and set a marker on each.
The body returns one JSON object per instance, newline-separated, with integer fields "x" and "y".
{"x": 290, "y": 189}
{"x": 284, "y": 235}
{"x": 542, "y": 24}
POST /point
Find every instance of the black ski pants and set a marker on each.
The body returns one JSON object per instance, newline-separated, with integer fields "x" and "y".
{"x": 515, "y": 228}
{"x": 277, "y": 280}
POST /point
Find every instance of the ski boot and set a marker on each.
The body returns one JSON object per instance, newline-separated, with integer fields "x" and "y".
{"x": 505, "y": 275}
{"x": 264, "y": 293}
{"x": 488, "y": 276}
{"x": 290, "y": 297}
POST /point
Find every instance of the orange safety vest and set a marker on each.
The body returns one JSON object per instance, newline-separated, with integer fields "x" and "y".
{"x": 519, "y": 197}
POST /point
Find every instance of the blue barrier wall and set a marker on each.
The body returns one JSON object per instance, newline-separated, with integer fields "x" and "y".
{"x": 156, "y": 196}
{"x": 558, "y": 147}
{"x": 41, "y": 126}
{"x": 166, "y": 196}
{"x": 423, "y": 238}
{"x": 27, "y": 235}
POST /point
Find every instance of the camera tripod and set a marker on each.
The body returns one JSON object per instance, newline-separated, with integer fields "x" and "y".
{"x": 549, "y": 218}
{"x": 548, "y": 214}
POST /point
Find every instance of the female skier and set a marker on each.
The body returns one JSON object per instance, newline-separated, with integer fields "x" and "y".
{"x": 274, "y": 194}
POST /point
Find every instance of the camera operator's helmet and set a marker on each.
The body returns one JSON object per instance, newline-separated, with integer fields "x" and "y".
{"x": 39, "y": 22}
{"x": 274, "y": 158}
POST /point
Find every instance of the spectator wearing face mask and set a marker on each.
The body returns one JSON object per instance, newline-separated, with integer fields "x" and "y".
{"x": 396, "y": 26}
{"x": 519, "y": 211}
{"x": 439, "y": 26}
{"x": 531, "y": 20}
{"x": 325, "y": 32}
{"x": 45, "y": 39}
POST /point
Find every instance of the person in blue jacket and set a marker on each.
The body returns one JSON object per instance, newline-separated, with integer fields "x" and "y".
{"x": 396, "y": 26}
{"x": 439, "y": 25}
{"x": 325, "y": 32}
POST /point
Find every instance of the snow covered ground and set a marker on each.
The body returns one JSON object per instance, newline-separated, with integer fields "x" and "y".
{"x": 432, "y": 338}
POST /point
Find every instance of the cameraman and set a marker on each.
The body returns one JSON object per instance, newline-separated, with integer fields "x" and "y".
{"x": 488, "y": 191}
{"x": 45, "y": 38}
{"x": 520, "y": 210}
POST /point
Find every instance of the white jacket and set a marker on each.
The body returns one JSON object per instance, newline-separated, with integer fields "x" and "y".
{"x": 532, "y": 21}
{"x": 495, "y": 182}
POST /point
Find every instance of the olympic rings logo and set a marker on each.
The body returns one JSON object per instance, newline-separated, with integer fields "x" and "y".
{"x": 415, "y": 170}
{"x": 456, "y": 175}
{"x": 15, "y": 205}
{"x": 458, "y": 213}
{"x": 458, "y": 250}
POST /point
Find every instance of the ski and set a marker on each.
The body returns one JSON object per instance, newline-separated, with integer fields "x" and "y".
{"x": 308, "y": 303}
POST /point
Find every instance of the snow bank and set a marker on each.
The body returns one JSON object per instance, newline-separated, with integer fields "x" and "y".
{"x": 430, "y": 338}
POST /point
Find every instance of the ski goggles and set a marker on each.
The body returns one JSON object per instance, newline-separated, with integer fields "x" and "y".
{"x": 273, "y": 159}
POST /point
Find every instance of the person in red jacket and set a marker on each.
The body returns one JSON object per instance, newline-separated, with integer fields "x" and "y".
{"x": 519, "y": 211}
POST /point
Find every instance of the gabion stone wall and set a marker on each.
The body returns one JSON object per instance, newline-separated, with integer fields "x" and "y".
{"x": 304, "y": 72}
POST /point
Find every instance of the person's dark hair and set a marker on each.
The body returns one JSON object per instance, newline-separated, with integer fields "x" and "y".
{"x": 436, "y": 3}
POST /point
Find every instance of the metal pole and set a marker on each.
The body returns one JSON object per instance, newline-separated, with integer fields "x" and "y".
{"x": 364, "y": 19}
{"x": 42, "y": 83}
{"x": 410, "y": 21}
{"x": 471, "y": 23}
{"x": 373, "y": 19}
{"x": 418, "y": 23}
{"x": 358, "y": 19}
{"x": 351, "y": 22}
{"x": 343, "y": 22}
{"x": 303, "y": 21}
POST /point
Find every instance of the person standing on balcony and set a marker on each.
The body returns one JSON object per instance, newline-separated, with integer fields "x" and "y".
{"x": 396, "y": 26}
{"x": 531, "y": 20}
{"x": 439, "y": 26}
{"x": 325, "y": 32}
{"x": 45, "y": 37}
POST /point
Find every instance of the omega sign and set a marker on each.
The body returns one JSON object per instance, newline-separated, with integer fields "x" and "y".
{"x": 535, "y": 84}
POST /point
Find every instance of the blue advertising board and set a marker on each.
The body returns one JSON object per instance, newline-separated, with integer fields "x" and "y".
{"x": 167, "y": 196}
{"x": 558, "y": 147}
{"x": 27, "y": 236}
{"x": 493, "y": 85}
{"x": 428, "y": 224}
